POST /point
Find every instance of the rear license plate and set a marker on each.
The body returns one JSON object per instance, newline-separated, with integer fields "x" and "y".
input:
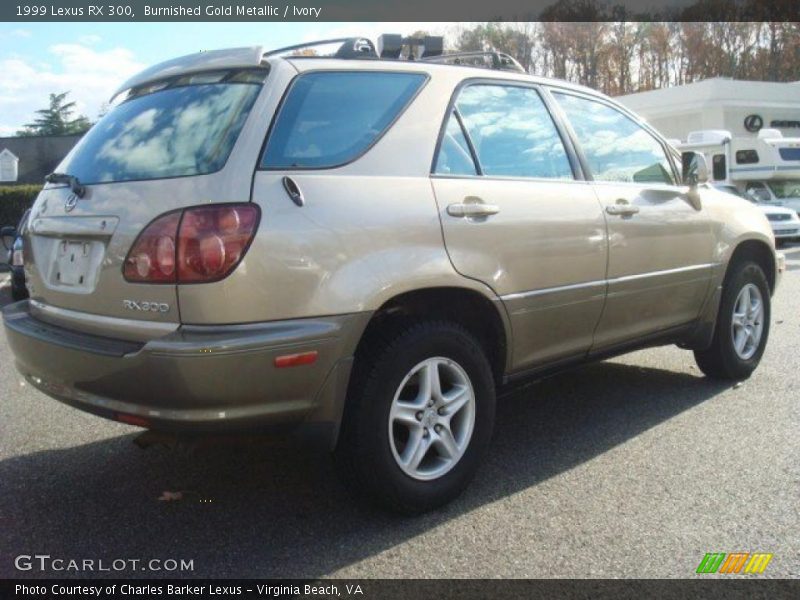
{"x": 73, "y": 262}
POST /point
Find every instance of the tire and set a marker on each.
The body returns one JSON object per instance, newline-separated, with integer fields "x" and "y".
{"x": 722, "y": 360}
{"x": 379, "y": 428}
{"x": 18, "y": 291}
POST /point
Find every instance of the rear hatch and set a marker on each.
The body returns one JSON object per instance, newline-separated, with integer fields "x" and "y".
{"x": 168, "y": 146}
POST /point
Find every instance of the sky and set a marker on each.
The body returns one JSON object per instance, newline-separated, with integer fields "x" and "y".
{"x": 90, "y": 60}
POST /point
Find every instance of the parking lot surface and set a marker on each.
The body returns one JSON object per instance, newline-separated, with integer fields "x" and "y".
{"x": 634, "y": 467}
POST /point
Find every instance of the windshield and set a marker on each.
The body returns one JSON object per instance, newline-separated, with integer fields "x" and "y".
{"x": 785, "y": 189}
{"x": 174, "y": 131}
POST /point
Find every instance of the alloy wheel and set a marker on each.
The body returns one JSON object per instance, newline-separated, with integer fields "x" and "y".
{"x": 747, "y": 324}
{"x": 432, "y": 418}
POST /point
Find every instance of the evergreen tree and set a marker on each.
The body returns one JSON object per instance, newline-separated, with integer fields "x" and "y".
{"x": 56, "y": 119}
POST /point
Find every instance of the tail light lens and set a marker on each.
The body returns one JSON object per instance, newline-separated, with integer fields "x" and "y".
{"x": 146, "y": 261}
{"x": 196, "y": 245}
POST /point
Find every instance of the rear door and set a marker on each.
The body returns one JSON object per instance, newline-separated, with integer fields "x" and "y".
{"x": 167, "y": 147}
{"x": 516, "y": 217}
{"x": 661, "y": 247}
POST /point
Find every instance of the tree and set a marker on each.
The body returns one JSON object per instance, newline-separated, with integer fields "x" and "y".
{"x": 621, "y": 55}
{"x": 56, "y": 119}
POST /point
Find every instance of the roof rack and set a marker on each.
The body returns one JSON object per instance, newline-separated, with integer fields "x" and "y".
{"x": 393, "y": 46}
{"x": 496, "y": 60}
{"x": 352, "y": 47}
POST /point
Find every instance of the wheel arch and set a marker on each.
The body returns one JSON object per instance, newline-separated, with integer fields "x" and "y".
{"x": 756, "y": 249}
{"x": 482, "y": 316}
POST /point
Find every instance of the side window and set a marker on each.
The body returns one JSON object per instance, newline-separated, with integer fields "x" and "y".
{"x": 616, "y": 147}
{"x": 746, "y": 157}
{"x": 757, "y": 191}
{"x": 330, "y": 118}
{"x": 511, "y": 131}
{"x": 718, "y": 167}
{"x": 454, "y": 156}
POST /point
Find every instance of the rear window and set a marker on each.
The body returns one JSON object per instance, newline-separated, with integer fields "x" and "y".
{"x": 331, "y": 118}
{"x": 187, "y": 126}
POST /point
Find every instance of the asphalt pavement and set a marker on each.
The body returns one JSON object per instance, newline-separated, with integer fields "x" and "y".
{"x": 634, "y": 467}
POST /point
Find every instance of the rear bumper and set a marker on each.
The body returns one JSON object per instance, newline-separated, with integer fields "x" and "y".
{"x": 197, "y": 378}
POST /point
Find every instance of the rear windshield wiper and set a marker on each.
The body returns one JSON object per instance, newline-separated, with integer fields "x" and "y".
{"x": 75, "y": 185}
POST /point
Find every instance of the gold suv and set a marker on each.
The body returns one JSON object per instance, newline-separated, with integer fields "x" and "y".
{"x": 369, "y": 247}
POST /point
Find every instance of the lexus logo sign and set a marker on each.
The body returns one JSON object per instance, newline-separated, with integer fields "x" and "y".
{"x": 753, "y": 123}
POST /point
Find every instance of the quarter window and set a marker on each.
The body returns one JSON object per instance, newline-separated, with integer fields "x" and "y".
{"x": 455, "y": 157}
{"x": 330, "y": 118}
{"x": 615, "y": 146}
{"x": 511, "y": 132}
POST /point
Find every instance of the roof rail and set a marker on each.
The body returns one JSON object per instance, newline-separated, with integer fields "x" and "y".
{"x": 499, "y": 60}
{"x": 352, "y": 47}
{"x": 393, "y": 46}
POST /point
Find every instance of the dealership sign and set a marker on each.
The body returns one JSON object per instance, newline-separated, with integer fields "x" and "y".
{"x": 754, "y": 123}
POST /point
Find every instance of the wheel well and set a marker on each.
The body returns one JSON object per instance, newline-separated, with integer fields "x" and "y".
{"x": 761, "y": 254}
{"x": 473, "y": 311}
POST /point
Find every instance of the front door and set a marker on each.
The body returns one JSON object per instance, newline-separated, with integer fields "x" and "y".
{"x": 515, "y": 217}
{"x": 660, "y": 246}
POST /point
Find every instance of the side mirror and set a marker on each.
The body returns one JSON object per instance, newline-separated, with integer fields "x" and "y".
{"x": 9, "y": 234}
{"x": 694, "y": 169}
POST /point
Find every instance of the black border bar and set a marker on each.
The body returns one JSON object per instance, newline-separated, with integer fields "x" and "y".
{"x": 734, "y": 588}
{"x": 406, "y": 10}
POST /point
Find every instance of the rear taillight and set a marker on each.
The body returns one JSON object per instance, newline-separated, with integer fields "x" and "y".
{"x": 196, "y": 245}
{"x": 146, "y": 260}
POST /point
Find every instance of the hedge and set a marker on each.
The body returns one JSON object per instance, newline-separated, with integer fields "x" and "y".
{"x": 14, "y": 201}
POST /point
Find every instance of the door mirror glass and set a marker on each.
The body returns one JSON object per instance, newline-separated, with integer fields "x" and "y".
{"x": 694, "y": 168}
{"x": 8, "y": 234}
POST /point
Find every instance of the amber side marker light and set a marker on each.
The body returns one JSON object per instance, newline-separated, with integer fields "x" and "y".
{"x": 296, "y": 360}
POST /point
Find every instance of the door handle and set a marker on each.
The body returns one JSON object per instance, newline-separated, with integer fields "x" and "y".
{"x": 472, "y": 209}
{"x": 622, "y": 208}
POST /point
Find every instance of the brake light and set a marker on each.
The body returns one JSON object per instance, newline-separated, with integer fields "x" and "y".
{"x": 196, "y": 245}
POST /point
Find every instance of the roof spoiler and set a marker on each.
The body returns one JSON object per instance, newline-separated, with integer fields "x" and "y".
{"x": 233, "y": 58}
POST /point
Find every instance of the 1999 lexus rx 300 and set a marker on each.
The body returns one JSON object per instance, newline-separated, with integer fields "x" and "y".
{"x": 372, "y": 246}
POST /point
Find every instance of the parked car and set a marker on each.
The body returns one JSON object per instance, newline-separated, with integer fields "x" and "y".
{"x": 370, "y": 248}
{"x": 780, "y": 192}
{"x": 785, "y": 222}
{"x": 12, "y": 242}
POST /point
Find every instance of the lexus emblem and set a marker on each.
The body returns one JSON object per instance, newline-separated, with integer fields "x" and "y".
{"x": 71, "y": 202}
{"x": 753, "y": 123}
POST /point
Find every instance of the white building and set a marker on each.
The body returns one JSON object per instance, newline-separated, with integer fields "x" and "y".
{"x": 9, "y": 166}
{"x": 720, "y": 103}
